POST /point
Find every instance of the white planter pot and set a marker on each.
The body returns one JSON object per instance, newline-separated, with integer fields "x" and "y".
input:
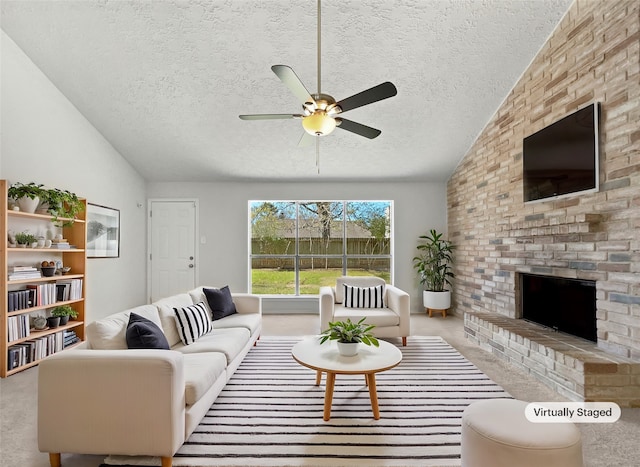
{"x": 42, "y": 208}
{"x": 436, "y": 300}
{"x": 348, "y": 349}
{"x": 27, "y": 204}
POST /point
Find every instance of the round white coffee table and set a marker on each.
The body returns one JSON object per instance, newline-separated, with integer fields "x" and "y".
{"x": 325, "y": 358}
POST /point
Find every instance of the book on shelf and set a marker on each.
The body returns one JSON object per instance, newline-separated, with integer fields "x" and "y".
{"x": 20, "y": 275}
{"x": 45, "y": 294}
{"x": 36, "y": 349}
{"x": 75, "y": 288}
{"x": 22, "y": 268}
{"x": 69, "y": 337}
{"x": 18, "y": 327}
{"x": 75, "y": 341}
{"x": 13, "y": 359}
{"x": 15, "y": 300}
{"x": 62, "y": 292}
{"x": 20, "y": 299}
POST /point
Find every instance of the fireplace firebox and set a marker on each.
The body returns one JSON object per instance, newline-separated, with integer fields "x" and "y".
{"x": 566, "y": 305}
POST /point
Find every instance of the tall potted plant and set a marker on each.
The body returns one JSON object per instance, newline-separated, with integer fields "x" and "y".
{"x": 434, "y": 268}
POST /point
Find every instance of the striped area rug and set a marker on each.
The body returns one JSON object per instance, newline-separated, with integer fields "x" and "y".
{"x": 270, "y": 413}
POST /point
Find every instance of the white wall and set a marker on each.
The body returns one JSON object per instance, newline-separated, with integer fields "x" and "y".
{"x": 223, "y": 221}
{"x": 46, "y": 140}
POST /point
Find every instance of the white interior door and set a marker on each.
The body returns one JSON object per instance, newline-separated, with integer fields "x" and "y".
{"x": 172, "y": 252}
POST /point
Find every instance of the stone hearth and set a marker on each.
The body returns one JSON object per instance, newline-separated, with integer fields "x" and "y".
{"x": 575, "y": 368}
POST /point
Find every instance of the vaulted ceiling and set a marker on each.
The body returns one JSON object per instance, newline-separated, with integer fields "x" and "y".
{"x": 164, "y": 81}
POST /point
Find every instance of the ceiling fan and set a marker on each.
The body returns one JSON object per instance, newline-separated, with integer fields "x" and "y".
{"x": 321, "y": 112}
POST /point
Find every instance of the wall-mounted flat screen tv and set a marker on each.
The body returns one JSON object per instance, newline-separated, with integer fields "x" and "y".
{"x": 562, "y": 159}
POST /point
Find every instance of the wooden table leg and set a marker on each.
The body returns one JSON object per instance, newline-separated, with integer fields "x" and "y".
{"x": 328, "y": 395}
{"x": 373, "y": 395}
{"x": 318, "y": 377}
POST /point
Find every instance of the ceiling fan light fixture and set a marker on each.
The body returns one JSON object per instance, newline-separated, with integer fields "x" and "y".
{"x": 318, "y": 123}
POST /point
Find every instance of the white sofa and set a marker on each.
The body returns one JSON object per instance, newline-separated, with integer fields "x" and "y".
{"x": 392, "y": 320}
{"x": 103, "y": 398}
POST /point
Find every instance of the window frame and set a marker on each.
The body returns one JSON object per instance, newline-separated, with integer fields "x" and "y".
{"x": 297, "y": 256}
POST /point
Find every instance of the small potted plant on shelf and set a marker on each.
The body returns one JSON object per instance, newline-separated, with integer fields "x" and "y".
{"x": 27, "y": 196}
{"x": 24, "y": 239}
{"x": 63, "y": 204}
{"x": 349, "y": 335}
{"x": 64, "y": 312}
{"x": 434, "y": 268}
{"x": 53, "y": 322}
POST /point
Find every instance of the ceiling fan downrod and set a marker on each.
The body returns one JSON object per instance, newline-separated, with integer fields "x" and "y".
{"x": 320, "y": 111}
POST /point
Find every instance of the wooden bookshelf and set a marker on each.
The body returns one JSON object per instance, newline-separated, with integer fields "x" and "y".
{"x": 75, "y": 258}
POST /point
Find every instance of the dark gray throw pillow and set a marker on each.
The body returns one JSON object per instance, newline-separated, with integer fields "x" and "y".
{"x": 220, "y": 302}
{"x": 144, "y": 334}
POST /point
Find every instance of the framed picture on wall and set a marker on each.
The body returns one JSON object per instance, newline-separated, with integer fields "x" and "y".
{"x": 103, "y": 232}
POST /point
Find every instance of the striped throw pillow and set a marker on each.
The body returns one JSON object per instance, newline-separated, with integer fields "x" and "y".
{"x": 363, "y": 297}
{"x": 192, "y": 322}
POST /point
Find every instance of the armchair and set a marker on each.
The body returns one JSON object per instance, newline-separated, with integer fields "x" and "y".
{"x": 391, "y": 320}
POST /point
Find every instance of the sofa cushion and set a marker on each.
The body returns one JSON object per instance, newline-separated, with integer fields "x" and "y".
{"x": 192, "y": 322}
{"x": 143, "y": 333}
{"x": 220, "y": 302}
{"x": 377, "y": 316}
{"x": 167, "y": 316}
{"x": 229, "y": 341}
{"x": 363, "y": 297}
{"x": 358, "y": 281}
{"x": 201, "y": 370}
{"x": 110, "y": 333}
{"x": 197, "y": 296}
{"x": 250, "y": 321}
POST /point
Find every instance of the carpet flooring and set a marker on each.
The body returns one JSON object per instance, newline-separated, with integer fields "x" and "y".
{"x": 270, "y": 413}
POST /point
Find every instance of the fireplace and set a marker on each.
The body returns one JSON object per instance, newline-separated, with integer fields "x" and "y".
{"x": 565, "y": 305}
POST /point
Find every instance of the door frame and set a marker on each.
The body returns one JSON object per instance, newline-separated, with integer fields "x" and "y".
{"x": 196, "y": 233}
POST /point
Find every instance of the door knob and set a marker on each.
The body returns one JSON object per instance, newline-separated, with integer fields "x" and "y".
{"x": 191, "y": 265}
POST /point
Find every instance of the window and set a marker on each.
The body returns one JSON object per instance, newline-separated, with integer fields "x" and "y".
{"x": 299, "y": 246}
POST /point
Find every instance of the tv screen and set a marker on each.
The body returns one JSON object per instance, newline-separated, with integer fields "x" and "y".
{"x": 562, "y": 158}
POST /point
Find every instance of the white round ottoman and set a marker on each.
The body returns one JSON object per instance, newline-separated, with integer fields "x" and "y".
{"x": 496, "y": 433}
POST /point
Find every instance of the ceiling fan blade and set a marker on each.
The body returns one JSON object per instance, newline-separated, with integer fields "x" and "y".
{"x": 374, "y": 94}
{"x": 269, "y": 116}
{"x": 306, "y": 140}
{"x": 291, "y": 80}
{"x": 358, "y": 128}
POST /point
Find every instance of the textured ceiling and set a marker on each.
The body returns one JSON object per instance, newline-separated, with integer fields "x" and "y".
{"x": 164, "y": 81}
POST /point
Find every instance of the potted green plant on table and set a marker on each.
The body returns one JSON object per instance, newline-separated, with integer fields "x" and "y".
{"x": 27, "y": 196}
{"x": 64, "y": 312}
{"x": 349, "y": 335}
{"x": 433, "y": 265}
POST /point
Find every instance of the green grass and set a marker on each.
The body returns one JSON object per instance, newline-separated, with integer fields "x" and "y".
{"x": 282, "y": 282}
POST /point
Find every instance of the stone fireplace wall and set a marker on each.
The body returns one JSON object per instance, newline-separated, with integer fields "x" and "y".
{"x": 594, "y": 55}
